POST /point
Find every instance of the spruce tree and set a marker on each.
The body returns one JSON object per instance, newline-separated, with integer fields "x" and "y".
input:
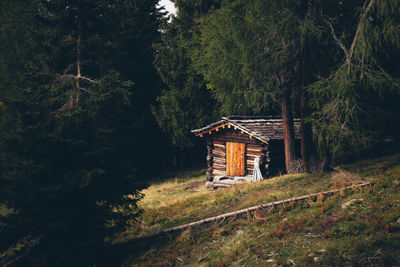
{"x": 353, "y": 101}
{"x": 72, "y": 131}
{"x": 248, "y": 55}
{"x": 185, "y": 103}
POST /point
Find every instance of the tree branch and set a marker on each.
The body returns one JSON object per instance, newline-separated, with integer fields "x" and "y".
{"x": 339, "y": 43}
{"x": 73, "y": 77}
{"x": 359, "y": 29}
{"x": 349, "y": 52}
{"x": 85, "y": 90}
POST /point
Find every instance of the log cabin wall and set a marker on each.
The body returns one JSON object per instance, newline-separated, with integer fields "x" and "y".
{"x": 262, "y": 137}
{"x": 216, "y": 157}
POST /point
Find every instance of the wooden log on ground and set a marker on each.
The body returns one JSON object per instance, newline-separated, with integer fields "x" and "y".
{"x": 250, "y": 209}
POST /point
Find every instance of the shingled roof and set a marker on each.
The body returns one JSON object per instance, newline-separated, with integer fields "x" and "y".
{"x": 261, "y": 128}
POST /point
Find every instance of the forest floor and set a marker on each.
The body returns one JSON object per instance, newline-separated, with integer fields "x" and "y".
{"x": 354, "y": 227}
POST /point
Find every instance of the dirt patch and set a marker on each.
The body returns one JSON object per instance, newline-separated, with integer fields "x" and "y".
{"x": 194, "y": 185}
{"x": 185, "y": 186}
{"x": 343, "y": 178}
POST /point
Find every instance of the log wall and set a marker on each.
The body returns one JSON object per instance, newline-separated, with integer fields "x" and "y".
{"x": 216, "y": 156}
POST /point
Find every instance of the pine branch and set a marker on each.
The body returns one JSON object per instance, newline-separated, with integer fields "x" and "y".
{"x": 85, "y": 90}
{"x": 339, "y": 43}
{"x": 358, "y": 35}
{"x": 63, "y": 77}
{"x": 359, "y": 30}
{"x": 65, "y": 107}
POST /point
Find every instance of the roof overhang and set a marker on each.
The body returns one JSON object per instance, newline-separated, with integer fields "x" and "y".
{"x": 227, "y": 123}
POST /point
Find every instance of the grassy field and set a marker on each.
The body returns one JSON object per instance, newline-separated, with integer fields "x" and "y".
{"x": 354, "y": 228}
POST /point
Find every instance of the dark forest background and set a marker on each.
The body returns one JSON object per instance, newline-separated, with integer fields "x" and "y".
{"x": 99, "y": 96}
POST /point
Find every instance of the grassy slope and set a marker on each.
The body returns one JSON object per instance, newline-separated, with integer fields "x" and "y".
{"x": 310, "y": 233}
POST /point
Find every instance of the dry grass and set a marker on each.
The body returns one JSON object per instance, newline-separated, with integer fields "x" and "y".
{"x": 315, "y": 233}
{"x": 179, "y": 201}
{"x": 173, "y": 191}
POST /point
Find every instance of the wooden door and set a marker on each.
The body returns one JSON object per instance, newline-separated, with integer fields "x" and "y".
{"x": 234, "y": 159}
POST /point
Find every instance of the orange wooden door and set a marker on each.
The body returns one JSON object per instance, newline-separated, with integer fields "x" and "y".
{"x": 234, "y": 159}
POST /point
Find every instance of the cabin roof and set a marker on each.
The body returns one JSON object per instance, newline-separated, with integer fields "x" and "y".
{"x": 261, "y": 128}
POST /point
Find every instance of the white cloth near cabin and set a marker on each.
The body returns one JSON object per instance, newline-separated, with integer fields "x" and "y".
{"x": 257, "y": 176}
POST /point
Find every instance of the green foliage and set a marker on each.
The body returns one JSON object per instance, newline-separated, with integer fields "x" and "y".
{"x": 236, "y": 51}
{"x": 185, "y": 104}
{"x": 246, "y": 46}
{"x": 233, "y": 58}
{"x": 67, "y": 170}
{"x": 77, "y": 144}
{"x": 355, "y": 104}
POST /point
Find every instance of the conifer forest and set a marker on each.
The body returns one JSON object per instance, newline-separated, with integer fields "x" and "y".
{"x": 98, "y": 99}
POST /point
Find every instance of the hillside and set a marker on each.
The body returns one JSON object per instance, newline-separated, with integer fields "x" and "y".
{"x": 353, "y": 227}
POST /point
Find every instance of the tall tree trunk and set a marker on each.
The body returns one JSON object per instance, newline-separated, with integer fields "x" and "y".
{"x": 305, "y": 130}
{"x": 288, "y": 129}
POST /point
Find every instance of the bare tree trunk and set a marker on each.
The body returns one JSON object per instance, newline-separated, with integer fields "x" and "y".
{"x": 287, "y": 118}
{"x": 305, "y": 130}
{"x": 82, "y": 83}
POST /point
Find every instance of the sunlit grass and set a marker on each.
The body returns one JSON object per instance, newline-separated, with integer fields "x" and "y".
{"x": 182, "y": 200}
{"x": 4, "y": 211}
{"x": 310, "y": 233}
{"x": 173, "y": 191}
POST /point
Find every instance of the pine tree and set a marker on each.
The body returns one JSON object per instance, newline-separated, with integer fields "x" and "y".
{"x": 68, "y": 173}
{"x": 249, "y": 55}
{"x": 186, "y": 103}
{"x": 353, "y": 103}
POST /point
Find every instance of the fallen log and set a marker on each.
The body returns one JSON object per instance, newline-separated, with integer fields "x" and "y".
{"x": 250, "y": 209}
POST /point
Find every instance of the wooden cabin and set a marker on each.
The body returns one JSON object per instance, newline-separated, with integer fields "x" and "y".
{"x": 233, "y": 143}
